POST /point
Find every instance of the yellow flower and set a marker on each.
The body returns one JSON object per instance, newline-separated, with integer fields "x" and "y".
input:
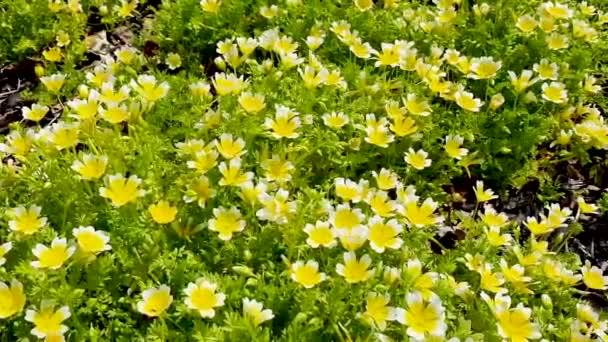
{"x": 421, "y": 282}
{"x": 173, "y": 61}
{"x": 335, "y": 120}
{"x": 364, "y": 5}
{"x": 12, "y": 298}
{"x": 522, "y": 82}
{"x": 18, "y": 143}
{"x": 361, "y": 49}
{"x": 495, "y": 238}
{"x": 514, "y": 274}
{"x": 593, "y": 277}
{"x": 53, "y": 54}
{"x": 393, "y": 109}
{"x": 114, "y": 113}
{"x": 26, "y": 221}
{"x": 586, "y": 208}
{"x": 381, "y": 204}
{"x": 91, "y": 240}
{"x": 334, "y": 79}
{"x": 4, "y": 248}
{"x": 490, "y": 281}
{"x": 200, "y": 89}
{"x": 403, "y": 126}
{"x": 126, "y": 8}
{"x": 148, "y": 88}
{"x": 91, "y": 167}
{"x": 204, "y": 160}
{"x": 481, "y": 194}
{"x": 54, "y": 82}
{"x": 34, "y": 113}
{"x": 121, "y": 190}
{"x": 211, "y": 6}
{"x": 250, "y": 193}
{"x": 228, "y": 84}
{"x": 556, "y": 10}
{"x": 353, "y": 239}
{"x": 226, "y": 222}
{"x": 256, "y": 312}
{"x": 346, "y": 218}
{"x": 557, "y": 216}
{"x": 590, "y": 86}
{"x": 423, "y": 317}
{"x": 312, "y": 79}
{"x": 277, "y": 170}
{"x": 388, "y": 56}
{"x": 63, "y": 135}
{"x": 252, "y": 103}
{"x": 530, "y": 259}
{"x": 246, "y": 45}
{"x": 63, "y": 39}
{"x": 467, "y": 101}
{"x": 85, "y": 109}
{"x": 199, "y": 191}
{"x": 384, "y": 235}
{"x": 269, "y": 12}
{"x": 546, "y": 70}
{"x": 320, "y": 234}
{"x": 285, "y": 45}
{"x": 416, "y": 106}
{"x": 109, "y": 95}
{"x": 420, "y": 216}
{"x": 391, "y": 275}
{"x": 47, "y": 321}
{"x": 353, "y": 270}
{"x": 587, "y": 314}
{"x": 232, "y": 174}
{"x": 493, "y": 219}
{"x": 348, "y": 190}
{"x": 377, "y": 312}
{"x": 162, "y": 212}
{"x": 230, "y": 148}
{"x": 538, "y": 227}
{"x": 155, "y": 301}
{"x": 276, "y": 208}
{"x": 474, "y": 263}
{"x": 313, "y": 41}
{"x": 285, "y": 123}
{"x": 557, "y": 41}
{"x": 484, "y": 68}
{"x": 126, "y": 55}
{"x": 203, "y": 297}
{"x": 100, "y": 75}
{"x": 377, "y": 133}
{"x": 453, "y": 146}
{"x": 52, "y": 257}
{"x": 514, "y": 324}
{"x": 386, "y": 179}
{"x": 417, "y": 159}
{"x": 308, "y": 274}
{"x": 526, "y": 23}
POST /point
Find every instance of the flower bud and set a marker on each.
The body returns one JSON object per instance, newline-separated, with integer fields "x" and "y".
{"x": 39, "y": 70}
{"x": 546, "y": 300}
{"x": 220, "y": 63}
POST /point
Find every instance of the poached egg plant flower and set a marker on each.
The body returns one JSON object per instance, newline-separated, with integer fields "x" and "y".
{"x": 121, "y": 190}
{"x": 203, "y": 297}
{"x": 48, "y": 321}
{"x": 155, "y": 301}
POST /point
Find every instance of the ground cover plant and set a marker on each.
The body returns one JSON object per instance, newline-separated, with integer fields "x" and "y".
{"x": 303, "y": 170}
